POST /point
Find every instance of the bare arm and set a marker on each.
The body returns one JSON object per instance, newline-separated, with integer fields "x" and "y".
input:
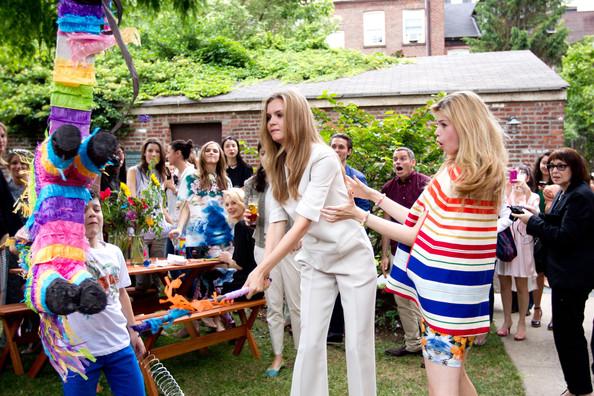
{"x": 360, "y": 190}
{"x": 131, "y": 181}
{"x": 184, "y": 215}
{"x": 385, "y": 261}
{"x": 390, "y": 229}
{"x": 275, "y": 252}
{"x": 135, "y": 339}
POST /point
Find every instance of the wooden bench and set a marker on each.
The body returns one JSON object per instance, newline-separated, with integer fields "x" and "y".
{"x": 12, "y": 316}
{"x": 241, "y": 333}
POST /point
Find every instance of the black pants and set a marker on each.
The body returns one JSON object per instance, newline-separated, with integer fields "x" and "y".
{"x": 572, "y": 346}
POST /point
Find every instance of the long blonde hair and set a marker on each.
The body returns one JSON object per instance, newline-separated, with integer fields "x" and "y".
{"x": 299, "y": 134}
{"x": 481, "y": 156}
{"x": 220, "y": 172}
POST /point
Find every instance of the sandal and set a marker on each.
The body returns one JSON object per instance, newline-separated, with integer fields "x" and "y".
{"x": 534, "y": 322}
{"x": 504, "y": 331}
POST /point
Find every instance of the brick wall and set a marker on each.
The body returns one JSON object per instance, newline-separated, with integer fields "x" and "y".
{"x": 541, "y": 126}
{"x": 351, "y": 16}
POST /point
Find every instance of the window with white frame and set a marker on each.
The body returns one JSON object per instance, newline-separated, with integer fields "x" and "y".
{"x": 413, "y": 25}
{"x": 374, "y": 29}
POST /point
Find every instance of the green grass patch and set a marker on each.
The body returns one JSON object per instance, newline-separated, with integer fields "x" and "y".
{"x": 218, "y": 372}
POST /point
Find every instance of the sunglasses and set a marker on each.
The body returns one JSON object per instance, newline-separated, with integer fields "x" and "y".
{"x": 560, "y": 167}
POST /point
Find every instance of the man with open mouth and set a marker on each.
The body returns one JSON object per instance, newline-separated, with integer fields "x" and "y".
{"x": 404, "y": 188}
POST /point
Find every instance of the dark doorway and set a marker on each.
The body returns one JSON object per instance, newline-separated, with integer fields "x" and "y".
{"x": 199, "y": 133}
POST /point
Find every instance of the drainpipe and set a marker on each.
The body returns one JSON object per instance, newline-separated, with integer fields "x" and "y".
{"x": 428, "y": 28}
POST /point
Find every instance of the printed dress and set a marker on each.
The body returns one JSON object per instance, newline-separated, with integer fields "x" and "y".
{"x": 207, "y": 225}
{"x": 450, "y": 266}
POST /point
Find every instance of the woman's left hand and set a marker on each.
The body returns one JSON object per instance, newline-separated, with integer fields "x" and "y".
{"x": 336, "y": 213}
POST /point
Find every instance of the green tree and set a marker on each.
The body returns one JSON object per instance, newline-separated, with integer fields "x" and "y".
{"x": 376, "y": 138}
{"x": 522, "y": 24}
{"x": 577, "y": 68}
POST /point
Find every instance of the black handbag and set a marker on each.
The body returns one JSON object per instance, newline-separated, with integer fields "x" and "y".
{"x": 506, "y": 248}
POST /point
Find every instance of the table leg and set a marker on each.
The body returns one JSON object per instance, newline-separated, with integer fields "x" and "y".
{"x": 11, "y": 327}
{"x": 248, "y": 323}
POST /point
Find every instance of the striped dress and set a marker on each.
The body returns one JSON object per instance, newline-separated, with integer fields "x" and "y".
{"x": 449, "y": 268}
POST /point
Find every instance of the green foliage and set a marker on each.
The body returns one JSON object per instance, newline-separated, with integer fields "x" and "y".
{"x": 225, "y": 52}
{"x": 203, "y": 53}
{"x": 28, "y": 25}
{"x": 578, "y": 64}
{"x": 316, "y": 64}
{"x": 376, "y": 138}
{"x": 522, "y": 24}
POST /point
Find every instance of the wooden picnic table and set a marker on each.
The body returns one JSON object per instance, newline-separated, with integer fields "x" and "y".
{"x": 12, "y": 316}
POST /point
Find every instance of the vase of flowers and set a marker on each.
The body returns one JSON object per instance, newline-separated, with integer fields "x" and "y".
{"x": 138, "y": 251}
{"x": 128, "y": 219}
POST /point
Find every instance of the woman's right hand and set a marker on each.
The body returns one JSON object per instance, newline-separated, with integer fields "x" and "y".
{"x": 257, "y": 281}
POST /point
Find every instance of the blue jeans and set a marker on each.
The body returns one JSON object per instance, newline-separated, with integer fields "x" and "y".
{"x": 121, "y": 370}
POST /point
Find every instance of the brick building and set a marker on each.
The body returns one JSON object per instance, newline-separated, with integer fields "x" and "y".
{"x": 407, "y": 27}
{"x": 526, "y": 96}
{"x": 580, "y": 23}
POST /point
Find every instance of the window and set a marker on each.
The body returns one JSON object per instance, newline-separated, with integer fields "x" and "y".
{"x": 374, "y": 32}
{"x": 413, "y": 24}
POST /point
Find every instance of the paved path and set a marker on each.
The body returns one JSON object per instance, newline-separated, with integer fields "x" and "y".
{"x": 536, "y": 357}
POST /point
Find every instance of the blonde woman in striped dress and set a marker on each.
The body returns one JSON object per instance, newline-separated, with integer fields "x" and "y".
{"x": 448, "y": 269}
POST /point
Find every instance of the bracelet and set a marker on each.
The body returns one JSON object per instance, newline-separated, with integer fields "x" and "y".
{"x": 364, "y": 221}
{"x": 379, "y": 201}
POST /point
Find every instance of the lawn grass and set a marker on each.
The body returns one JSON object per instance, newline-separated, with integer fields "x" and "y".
{"x": 217, "y": 372}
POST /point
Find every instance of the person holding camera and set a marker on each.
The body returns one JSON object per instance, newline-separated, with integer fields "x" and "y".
{"x": 567, "y": 232}
{"x": 522, "y": 266}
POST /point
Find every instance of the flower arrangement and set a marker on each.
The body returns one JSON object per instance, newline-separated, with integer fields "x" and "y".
{"x": 124, "y": 214}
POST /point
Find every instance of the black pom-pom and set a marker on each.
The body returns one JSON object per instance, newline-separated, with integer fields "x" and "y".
{"x": 92, "y": 297}
{"x": 62, "y": 298}
{"x": 65, "y": 141}
{"x": 101, "y": 148}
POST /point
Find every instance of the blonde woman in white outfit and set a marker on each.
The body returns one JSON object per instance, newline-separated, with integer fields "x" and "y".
{"x": 286, "y": 274}
{"x": 305, "y": 175}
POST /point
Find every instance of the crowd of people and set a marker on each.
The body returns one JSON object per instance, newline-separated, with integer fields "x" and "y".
{"x": 301, "y": 221}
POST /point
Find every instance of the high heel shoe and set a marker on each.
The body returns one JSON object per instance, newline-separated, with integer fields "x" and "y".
{"x": 504, "y": 331}
{"x": 534, "y": 322}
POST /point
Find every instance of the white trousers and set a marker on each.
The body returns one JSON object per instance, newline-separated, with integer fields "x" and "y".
{"x": 318, "y": 293}
{"x": 285, "y": 287}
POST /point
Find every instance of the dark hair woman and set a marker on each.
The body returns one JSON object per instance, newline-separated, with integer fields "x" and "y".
{"x": 138, "y": 180}
{"x": 541, "y": 180}
{"x": 566, "y": 233}
{"x": 237, "y": 170}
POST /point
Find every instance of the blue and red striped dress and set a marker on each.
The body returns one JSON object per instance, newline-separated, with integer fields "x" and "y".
{"x": 449, "y": 268}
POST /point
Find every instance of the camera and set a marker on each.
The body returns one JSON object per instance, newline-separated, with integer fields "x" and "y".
{"x": 516, "y": 209}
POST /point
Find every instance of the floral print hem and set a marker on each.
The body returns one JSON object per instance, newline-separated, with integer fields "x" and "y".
{"x": 444, "y": 349}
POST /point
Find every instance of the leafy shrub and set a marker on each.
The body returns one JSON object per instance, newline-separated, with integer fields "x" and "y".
{"x": 222, "y": 51}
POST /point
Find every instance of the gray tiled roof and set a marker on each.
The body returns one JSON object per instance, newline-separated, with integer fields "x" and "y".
{"x": 459, "y": 21}
{"x": 507, "y": 71}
